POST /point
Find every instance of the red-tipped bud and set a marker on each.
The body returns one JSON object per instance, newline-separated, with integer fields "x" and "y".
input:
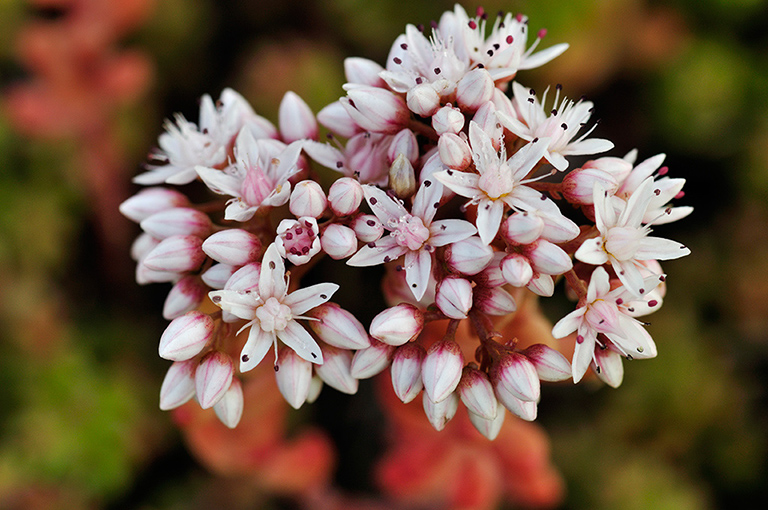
{"x": 423, "y": 100}
{"x": 398, "y": 324}
{"x": 448, "y": 119}
{"x": 579, "y": 184}
{"x": 337, "y": 327}
{"x": 516, "y": 270}
{"x": 345, "y": 196}
{"x": 476, "y": 392}
{"x": 454, "y": 151}
{"x": 229, "y": 409}
{"x": 368, "y": 228}
{"x": 186, "y": 336}
{"x": 406, "y": 371}
{"x": 440, "y": 413}
{"x": 550, "y": 364}
{"x": 491, "y": 275}
{"x": 178, "y": 221}
{"x": 293, "y": 376}
{"x": 296, "y": 120}
{"x": 490, "y": 428}
{"x": 246, "y": 278}
{"x": 176, "y": 254}
{"x": 494, "y": 301}
{"x": 371, "y": 361}
{"x": 515, "y": 374}
{"x": 468, "y": 256}
{"x": 213, "y": 377}
{"x": 548, "y": 258}
{"x": 335, "y": 370}
{"x": 441, "y": 369}
{"x": 185, "y": 295}
{"x": 307, "y": 199}
{"x": 454, "y": 297}
{"x": 474, "y": 89}
{"x": 338, "y": 241}
{"x": 233, "y": 246}
{"x": 179, "y": 385}
{"x": 150, "y": 201}
{"x": 522, "y": 228}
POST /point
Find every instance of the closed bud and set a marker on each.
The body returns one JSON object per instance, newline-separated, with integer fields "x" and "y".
{"x": 293, "y": 376}
{"x": 315, "y": 387}
{"x": 454, "y": 151}
{"x": 619, "y": 168}
{"x": 608, "y": 366}
{"x": 406, "y": 371}
{"x": 397, "y": 325}
{"x": 516, "y": 269}
{"x": 150, "y": 201}
{"x": 447, "y": 119}
{"x": 476, "y": 392}
{"x": 541, "y": 284}
{"x": 296, "y": 120}
{"x": 345, "y": 196}
{"x": 213, "y": 377}
{"x": 298, "y": 240}
{"x": 423, "y": 99}
{"x": 143, "y": 244}
{"x": 179, "y": 385}
{"x": 491, "y": 275}
{"x": 176, "y": 254}
{"x": 178, "y": 221}
{"x": 440, "y": 413}
{"x": 405, "y": 143}
{"x": 144, "y": 275}
{"x": 474, "y": 89}
{"x": 515, "y": 374}
{"x": 335, "y": 117}
{"x": 337, "y": 327}
{"x": 185, "y": 295}
{"x": 550, "y": 364}
{"x": 217, "y": 275}
{"x": 489, "y": 428}
{"x": 454, "y": 297}
{"x": 376, "y": 109}
{"x": 233, "y": 246}
{"x": 368, "y": 228}
{"x": 363, "y": 71}
{"x": 229, "y": 409}
{"x": 186, "y": 336}
{"x": 468, "y": 256}
{"x": 441, "y": 369}
{"x": 558, "y": 228}
{"x": 245, "y": 279}
{"x": 338, "y": 241}
{"x": 548, "y": 258}
{"x": 579, "y": 184}
{"x": 307, "y": 199}
{"x": 335, "y": 370}
{"x": 372, "y": 360}
{"x": 522, "y": 228}
{"x": 402, "y": 178}
{"x": 524, "y": 409}
{"x": 485, "y": 117}
{"x": 494, "y": 301}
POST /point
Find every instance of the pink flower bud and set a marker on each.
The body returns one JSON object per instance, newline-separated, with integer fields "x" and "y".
{"x": 474, "y": 89}
{"x": 185, "y": 295}
{"x": 579, "y": 184}
{"x": 217, "y": 275}
{"x": 485, "y": 117}
{"x": 186, "y": 336}
{"x": 179, "y": 385}
{"x": 489, "y": 428}
{"x": 524, "y": 409}
{"x": 494, "y": 301}
{"x": 468, "y": 256}
{"x": 368, "y": 228}
{"x": 246, "y": 278}
{"x": 337, "y": 327}
{"x": 516, "y": 270}
{"x": 515, "y": 374}
{"x": 440, "y": 413}
{"x": 376, "y": 109}
{"x": 298, "y": 240}
{"x": 454, "y": 297}
{"x": 541, "y": 284}
{"x": 363, "y": 71}
{"x": 447, "y": 119}
{"x": 423, "y": 99}
{"x": 143, "y": 244}
{"x": 229, "y": 409}
{"x": 618, "y": 168}
{"x": 548, "y": 258}
{"x": 144, "y": 275}
{"x": 176, "y": 254}
{"x": 558, "y": 228}
{"x": 296, "y": 120}
{"x": 335, "y": 117}
{"x": 550, "y": 364}
{"x": 371, "y": 361}
{"x": 476, "y": 392}
{"x": 491, "y": 276}
{"x": 345, "y": 196}
{"x": 402, "y": 178}
{"x": 405, "y": 143}
{"x": 441, "y": 369}
{"x": 406, "y": 371}
{"x": 315, "y": 387}
{"x": 213, "y": 377}
{"x": 335, "y": 370}
{"x": 178, "y": 221}
{"x": 307, "y": 199}
{"x": 293, "y": 375}
{"x": 338, "y": 241}
{"x": 522, "y": 228}
{"x": 149, "y": 201}
{"x": 397, "y": 325}
{"x": 233, "y": 246}
{"x": 454, "y": 151}
{"x": 608, "y": 367}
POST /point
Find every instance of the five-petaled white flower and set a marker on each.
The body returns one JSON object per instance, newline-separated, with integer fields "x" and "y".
{"x": 412, "y": 234}
{"x": 272, "y": 312}
{"x": 623, "y": 239}
{"x": 500, "y": 180}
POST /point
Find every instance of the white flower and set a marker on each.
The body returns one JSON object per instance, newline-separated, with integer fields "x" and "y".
{"x": 258, "y": 177}
{"x": 623, "y": 240}
{"x": 412, "y": 234}
{"x": 560, "y": 126}
{"x": 272, "y": 312}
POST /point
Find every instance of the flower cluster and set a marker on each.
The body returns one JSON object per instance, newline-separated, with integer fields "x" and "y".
{"x": 448, "y": 172}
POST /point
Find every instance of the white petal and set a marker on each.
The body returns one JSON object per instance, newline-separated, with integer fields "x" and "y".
{"x": 297, "y": 338}
{"x": 255, "y": 348}
{"x": 418, "y": 267}
{"x": 599, "y": 284}
{"x": 239, "y": 303}
{"x": 488, "y": 221}
{"x": 383, "y": 250}
{"x": 383, "y": 206}
{"x": 569, "y": 323}
{"x": 461, "y": 183}
{"x": 582, "y": 357}
{"x": 660, "y": 249}
{"x": 427, "y": 200}
{"x": 443, "y": 232}
{"x": 307, "y": 298}
{"x": 272, "y": 281}
{"x": 591, "y": 251}
{"x": 542, "y": 57}
{"x": 219, "y": 181}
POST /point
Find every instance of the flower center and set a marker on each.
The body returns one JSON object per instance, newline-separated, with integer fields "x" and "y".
{"x": 298, "y": 239}
{"x": 602, "y": 316}
{"x": 256, "y": 186}
{"x": 273, "y": 315}
{"x": 497, "y": 181}
{"x": 410, "y": 232}
{"x": 623, "y": 242}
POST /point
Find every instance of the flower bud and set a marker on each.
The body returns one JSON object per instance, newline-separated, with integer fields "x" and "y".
{"x": 490, "y": 428}
{"x": 150, "y": 201}
{"x": 233, "y": 246}
{"x": 213, "y": 377}
{"x": 514, "y": 374}
{"x": 579, "y": 184}
{"x": 454, "y": 151}
{"x": 345, "y": 196}
{"x": 620, "y": 168}
{"x": 440, "y": 413}
{"x": 608, "y": 367}
{"x": 307, "y": 199}
{"x": 335, "y": 370}
{"x": 176, "y": 254}
{"x": 441, "y": 369}
{"x": 516, "y": 270}
{"x": 447, "y": 119}
{"x": 423, "y": 99}
{"x": 558, "y": 228}
{"x": 406, "y": 371}
{"x": 494, "y": 301}
{"x": 404, "y": 143}
{"x": 550, "y": 364}
{"x": 217, "y": 275}
{"x": 363, "y": 71}
{"x": 541, "y": 284}
{"x": 397, "y": 325}
{"x": 245, "y": 279}
{"x": 338, "y": 241}
{"x": 178, "y": 221}
{"x": 143, "y": 244}
{"x": 315, "y": 387}
{"x": 179, "y": 385}
{"x": 474, "y": 89}
{"x": 454, "y": 297}
{"x": 524, "y": 409}
{"x": 476, "y": 391}
{"x": 376, "y": 109}
{"x": 491, "y": 275}
{"x": 548, "y": 258}
{"x": 296, "y": 120}
{"x": 298, "y": 240}
{"x": 368, "y": 228}
{"x": 486, "y": 119}
{"x": 144, "y": 275}
{"x": 293, "y": 375}
{"x": 337, "y": 327}
{"x": 522, "y": 228}
{"x": 186, "y": 336}
{"x": 402, "y": 178}
{"x": 229, "y": 409}
{"x": 468, "y": 256}
{"x": 335, "y": 117}
{"x": 185, "y": 295}
{"x": 372, "y": 360}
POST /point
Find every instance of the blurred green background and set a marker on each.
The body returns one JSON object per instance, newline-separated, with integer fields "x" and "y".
{"x": 86, "y": 85}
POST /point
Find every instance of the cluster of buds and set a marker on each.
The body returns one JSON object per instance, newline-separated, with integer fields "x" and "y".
{"x": 449, "y": 173}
